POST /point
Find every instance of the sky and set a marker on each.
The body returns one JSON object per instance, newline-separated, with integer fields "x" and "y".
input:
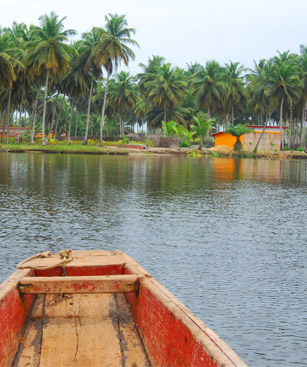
{"x": 183, "y": 32}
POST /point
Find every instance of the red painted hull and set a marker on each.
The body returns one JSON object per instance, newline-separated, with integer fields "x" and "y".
{"x": 171, "y": 334}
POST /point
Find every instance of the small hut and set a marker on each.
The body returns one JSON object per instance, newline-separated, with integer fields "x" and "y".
{"x": 269, "y": 141}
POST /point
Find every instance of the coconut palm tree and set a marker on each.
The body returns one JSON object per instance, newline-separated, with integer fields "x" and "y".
{"x": 201, "y": 128}
{"x": 123, "y": 94}
{"x": 169, "y": 128}
{"x": 303, "y": 78}
{"x": 236, "y": 92}
{"x": 237, "y": 131}
{"x": 111, "y": 50}
{"x": 283, "y": 86}
{"x": 50, "y": 52}
{"x": 165, "y": 89}
{"x": 87, "y": 70}
{"x": 210, "y": 87}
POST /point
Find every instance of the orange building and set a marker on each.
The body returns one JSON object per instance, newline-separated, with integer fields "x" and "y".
{"x": 269, "y": 141}
{"x": 13, "y": 131}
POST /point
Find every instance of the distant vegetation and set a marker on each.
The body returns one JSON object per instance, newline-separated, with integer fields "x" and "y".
{"x": 48, "y": 82}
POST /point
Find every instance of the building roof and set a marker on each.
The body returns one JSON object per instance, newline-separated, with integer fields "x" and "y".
{"x": 255, "y": 127}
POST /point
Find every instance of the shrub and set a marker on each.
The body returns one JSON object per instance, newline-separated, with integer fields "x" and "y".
{"x": 300, "y": 149}
{"x": 184, "y": 144}
{"x": 194, "y": 154}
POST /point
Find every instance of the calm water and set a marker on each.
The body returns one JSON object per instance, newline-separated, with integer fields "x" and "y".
{"x": 227, "y": 237}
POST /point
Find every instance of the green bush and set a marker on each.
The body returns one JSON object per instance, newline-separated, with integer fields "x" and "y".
{"x": 194, "y": 154}
{"x": 184, "y": 144}
{"x": 300, "y": 149}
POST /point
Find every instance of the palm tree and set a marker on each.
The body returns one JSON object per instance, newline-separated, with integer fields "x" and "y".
{"x": 111, "y": 50}
{"x": 123, "y": 94}
{"x": 7, "y": 75}
{"x": 237, "y": 131}
{"x": 303, "y": 78}
{"x": 87, "y": 70}
{"x": 165, "y": 89}
{"x": 210, "y": 88}
{"x": 201, "y": 129}
{"x": 50, "y": 52}
{"x": 283, "y": 87}
{"x": 236, "y": 93}
{"x": 169, "y": 128}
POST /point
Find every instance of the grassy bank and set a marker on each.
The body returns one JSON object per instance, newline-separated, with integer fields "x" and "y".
{"x": 61, "y": 148}
{"x": 113, "y": 150}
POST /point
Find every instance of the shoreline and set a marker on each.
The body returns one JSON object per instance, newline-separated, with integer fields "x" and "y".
{"x": 184, "y": 152}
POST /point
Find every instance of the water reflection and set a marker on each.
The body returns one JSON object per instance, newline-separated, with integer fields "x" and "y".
{"x": 227, "y": 236}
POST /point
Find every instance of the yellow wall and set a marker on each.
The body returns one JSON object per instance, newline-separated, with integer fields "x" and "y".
{"x": 226, "y": 139}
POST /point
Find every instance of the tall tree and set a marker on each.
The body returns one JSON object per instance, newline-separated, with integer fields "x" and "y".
{"x": 50, "y": 52}
{"x": 236, "y": 92}
{"x": 111, "y": 50}
{"x": 210, "y": 87}
{"x": 283, "y": 87}
{"x": 123, "y": 94}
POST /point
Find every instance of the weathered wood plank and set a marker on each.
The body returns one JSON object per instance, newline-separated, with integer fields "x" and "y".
{"x": 133, "y": 352}
{"x": 30, "y": 345}
{"x": 78, "y": 332}
{"x": 79, "y": 284}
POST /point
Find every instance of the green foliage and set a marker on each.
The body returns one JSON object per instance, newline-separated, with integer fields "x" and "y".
{"x": 300, "y": 149}
{"x": 214, "y": 154}
{"x": 126, "y": 140}
{"x": 169, "y": 128}
{"x": 194, "y": 154}
{"x": 238, "y": 130}
{"x": 201, "y": 128}
{"x": 180, "y": 131}
{"x": 149, "y": 143}
{"x": 184, "y": 144}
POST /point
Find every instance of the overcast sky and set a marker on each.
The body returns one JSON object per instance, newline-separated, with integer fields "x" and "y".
{"x": 183, "y": 31}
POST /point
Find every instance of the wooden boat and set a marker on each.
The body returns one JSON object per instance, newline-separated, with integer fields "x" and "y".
{"x": 136, "y": 146}
{"x": 97, "y": 308}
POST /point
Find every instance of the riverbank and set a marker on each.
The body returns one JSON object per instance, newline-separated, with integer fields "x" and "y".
{"x": 61, "y": 149}
{"x": 223, "y": 152}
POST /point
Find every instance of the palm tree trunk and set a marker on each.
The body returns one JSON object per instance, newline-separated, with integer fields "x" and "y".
{"x": 120, "y": 126}
{"x": 88, "y": 112}
{"x": 70, "y": 119}
{"x": 53, "y": 117}
{"x": 77, "y": 117}
{"x": 103, "y": 108}
{"x": 261, "y": 113}
{"x": 303, "y": 129}
{"x": 58, "y": 118}
{"x": 262, "y": 132}
{"x": 92, "y": 126}
{"x": 165, "y": 114}
{"x": 2, "y": 119}
{"x": 209, "y": 114}
{"x": 20, "y": 112}
{"x": 45, "y": 107}
{"x": 232, "y": 114}
{"x": 35, "y": 114}
{"x": 280, "y": 122}
{"x": 8, "y": 117}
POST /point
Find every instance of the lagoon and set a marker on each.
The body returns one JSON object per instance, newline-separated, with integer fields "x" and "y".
{"x": 227, "y": 236}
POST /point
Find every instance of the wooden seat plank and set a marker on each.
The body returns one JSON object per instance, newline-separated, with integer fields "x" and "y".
{"x": 80, "y": 284}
